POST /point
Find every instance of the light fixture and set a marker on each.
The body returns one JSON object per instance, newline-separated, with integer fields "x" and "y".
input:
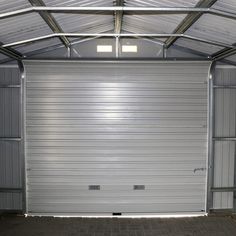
{"x": 104, "y": 48}
{"x": 129, "y": 48}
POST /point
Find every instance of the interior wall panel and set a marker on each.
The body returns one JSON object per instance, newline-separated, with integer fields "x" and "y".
{"x": 10, "y": 160}
{"x": 225, "y": 126}
{"x": 127, "y": 137}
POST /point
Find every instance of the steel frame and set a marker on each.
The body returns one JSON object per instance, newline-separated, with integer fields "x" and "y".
{"x": 22, "y": 132}
{"x": 203, "y": 7}
{"x": 108, "y": 10}
{"x": 211, "y": 124}
{"x": 12, "y": 53}
{"x": 211, "y": 144}
{"x": 17, "y": 43}
{"x": 189, "y": 20}
{"x": 50, "y": 21}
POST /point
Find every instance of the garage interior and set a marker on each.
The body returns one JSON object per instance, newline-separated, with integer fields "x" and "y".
{"x": 117, "y": 117}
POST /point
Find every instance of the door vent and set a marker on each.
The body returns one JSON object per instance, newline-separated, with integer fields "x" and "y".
{"x": 139, "y": 187}
{"x": 94, "y": 187}
{"x": 116, "y": 214}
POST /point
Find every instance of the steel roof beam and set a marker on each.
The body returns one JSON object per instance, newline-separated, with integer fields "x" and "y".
{"x": 50, "y": 21}
{"x": 190, "y": 19}
{"x": 31, "y": 40}
{"x": 12, "y": 53}
{"x": 226, "y": 52}
{"x": 196, "y": 12}
{"x": 118, "y": 17}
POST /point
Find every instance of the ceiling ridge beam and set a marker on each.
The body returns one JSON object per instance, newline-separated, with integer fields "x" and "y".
{"x": 50, "y": 21}
{"x": 189, "y": 20}
{"x": 118, "y": 17}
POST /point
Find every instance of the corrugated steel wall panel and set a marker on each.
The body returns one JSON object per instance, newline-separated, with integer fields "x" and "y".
{"x": 10, "y": 161}
{"x": 225, "y": 126}
{"x": 116, "y": 125}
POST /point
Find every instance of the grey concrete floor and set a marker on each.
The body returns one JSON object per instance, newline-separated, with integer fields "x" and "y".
{"x": 48, "y": 226}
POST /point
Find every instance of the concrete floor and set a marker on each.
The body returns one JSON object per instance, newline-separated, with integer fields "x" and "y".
{"x": 47, "y": 226}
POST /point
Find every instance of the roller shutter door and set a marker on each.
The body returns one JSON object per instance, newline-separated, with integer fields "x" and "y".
{"x": 105, "y": 137}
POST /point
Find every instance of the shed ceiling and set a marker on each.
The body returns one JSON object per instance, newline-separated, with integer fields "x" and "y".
{"x": 208, "y": 27}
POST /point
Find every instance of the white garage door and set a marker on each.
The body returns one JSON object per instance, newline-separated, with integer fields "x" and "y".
{"x": 124, "y": 137}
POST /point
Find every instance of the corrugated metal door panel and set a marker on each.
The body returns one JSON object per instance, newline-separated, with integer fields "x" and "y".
{"x": 116, "y": 127}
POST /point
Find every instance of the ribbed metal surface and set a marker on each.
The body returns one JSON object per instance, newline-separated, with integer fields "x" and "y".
{"x": 198, "y": 46}
{"x": 28, "y": 48}
{"x": 10, "y": 164}
{"x": 154, "y": 23}
{"x": 225, "y": 5}
{"x": 22, "y": 27}
{"x": 225, "y": 126}
{"x": 11, "y": 5}
{"x": 88, "y": 23}
{"x": 32, "y": 25}
{"x": 116, "y": 125}
{"x": 212, "y": 28}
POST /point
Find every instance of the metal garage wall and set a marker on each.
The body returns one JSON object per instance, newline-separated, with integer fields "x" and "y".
{"x": 116, "y": 127}
{"x": 10, "y": 161}
{"x": 225, "y": 126}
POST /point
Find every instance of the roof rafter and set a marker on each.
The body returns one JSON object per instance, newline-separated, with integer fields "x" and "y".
{"x": 189, "y": 20}
{"x": 118, "y": 17}
{"x": 10, "y": 52}
{"x": 50, "y": 21}
{"x": 226, "y": 52}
